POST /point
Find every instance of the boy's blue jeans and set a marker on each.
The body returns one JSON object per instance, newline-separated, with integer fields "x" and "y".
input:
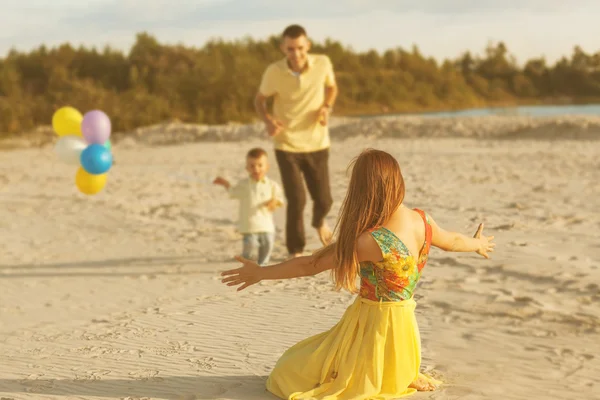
{"x": 261, "y": 243}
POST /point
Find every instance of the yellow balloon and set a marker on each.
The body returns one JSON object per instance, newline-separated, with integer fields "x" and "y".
{"x": 89, "y": 184}
{"x": 67, "y": 121}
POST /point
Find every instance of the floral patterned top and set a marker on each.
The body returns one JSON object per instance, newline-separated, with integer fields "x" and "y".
{"x": 394, "y": 277}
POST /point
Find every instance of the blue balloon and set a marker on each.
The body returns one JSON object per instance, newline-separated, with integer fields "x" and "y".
{"x": 96, "y": 159}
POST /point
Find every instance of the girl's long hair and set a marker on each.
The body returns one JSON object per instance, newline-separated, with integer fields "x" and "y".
{"x": 375, "y": 192}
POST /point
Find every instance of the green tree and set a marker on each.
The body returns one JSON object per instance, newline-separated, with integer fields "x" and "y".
{"x": 216, "y": 83}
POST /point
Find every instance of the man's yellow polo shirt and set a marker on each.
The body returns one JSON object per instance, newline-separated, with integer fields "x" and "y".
{"x": 297, "y": 99}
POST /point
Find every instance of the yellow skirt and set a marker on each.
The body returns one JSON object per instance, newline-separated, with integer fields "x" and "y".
{"x": 373, "y": 352}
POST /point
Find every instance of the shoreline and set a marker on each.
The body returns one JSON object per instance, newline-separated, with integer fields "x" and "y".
{"x": 424, "y": 111}
{"x": 496, "y": 127}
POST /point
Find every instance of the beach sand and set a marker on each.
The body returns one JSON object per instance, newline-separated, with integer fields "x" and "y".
{"x": 118, "y": 296}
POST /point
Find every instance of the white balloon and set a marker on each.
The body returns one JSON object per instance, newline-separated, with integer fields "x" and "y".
{"x": 68, "y": 148}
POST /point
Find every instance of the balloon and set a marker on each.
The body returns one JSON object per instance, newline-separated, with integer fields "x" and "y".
{"x": 96, "y": 159}
{"x": 108, "y": 144}
{"x": 69, "y": 147}
{"x": 67, "y": 121}
{"x": 89, "y": 184}
{"x": 95, "y": 127}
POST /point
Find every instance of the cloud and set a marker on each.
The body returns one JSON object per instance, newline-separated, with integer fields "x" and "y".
{"x": 441, "y": 28}
{"x": 126, "y": 14}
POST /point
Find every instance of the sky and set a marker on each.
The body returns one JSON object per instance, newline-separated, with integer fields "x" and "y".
{"x": 440, "y": 28}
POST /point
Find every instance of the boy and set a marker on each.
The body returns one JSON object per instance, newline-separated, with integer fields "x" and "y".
{"x": 258, "y": 197}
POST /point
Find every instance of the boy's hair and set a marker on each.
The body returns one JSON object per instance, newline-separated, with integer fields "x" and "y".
{"x": 256, "y": 152}
{"x": 293, "y": 32}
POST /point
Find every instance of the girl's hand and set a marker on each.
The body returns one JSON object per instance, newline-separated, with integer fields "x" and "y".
{"x": 248, "y": 274}
{"x": 485, "y": 243}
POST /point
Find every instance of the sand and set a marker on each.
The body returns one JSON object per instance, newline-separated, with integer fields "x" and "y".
{"x": 117, "y": 296}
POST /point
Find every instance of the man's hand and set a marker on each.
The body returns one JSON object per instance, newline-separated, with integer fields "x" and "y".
{"x": 274, "y": 126}
{"x": 323, "y": 115}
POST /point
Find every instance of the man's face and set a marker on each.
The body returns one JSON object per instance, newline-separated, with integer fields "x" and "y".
{"x": 257, "y": 167}
{"x": 296, "y": 51}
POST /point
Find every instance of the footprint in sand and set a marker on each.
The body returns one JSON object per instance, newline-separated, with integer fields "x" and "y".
{"x": 205, "y": 364}
{"x": 33, "y": 385}
{"x": 146, "y": 375}
{"x": 443, "y": 305}
{"x": 92, "y": 375}
{"x": 135, "y": 398}
{"x": 593, "y": 287}
{"x": 525, "y": 300}
{"x": 210, "y": 298}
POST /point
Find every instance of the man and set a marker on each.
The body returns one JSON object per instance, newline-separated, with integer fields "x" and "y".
{"x": 304, "y": 90}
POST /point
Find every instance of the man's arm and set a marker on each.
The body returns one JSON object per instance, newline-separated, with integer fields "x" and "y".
{"x": 327, "y": 107}
{"x": 260, "y": 105}
{"x": 331, "y": 89}
{"x": 331, "y": 93}
{"x": 274, "y": 126}
{"x": 268, "y": 88}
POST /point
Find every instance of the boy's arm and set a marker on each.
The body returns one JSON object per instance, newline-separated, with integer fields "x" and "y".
{"x": 278, "y": 195}
{"x": 234, "y": 191}
{"x": 276, "y": 199}
{"x": 219, "y": 180}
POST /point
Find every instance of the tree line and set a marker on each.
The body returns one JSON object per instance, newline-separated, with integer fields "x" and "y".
{"x": 216, "y": 83}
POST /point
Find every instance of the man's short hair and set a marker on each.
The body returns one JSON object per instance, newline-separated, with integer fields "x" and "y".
{"x": 256, "y": 153}
{"x": 293, "y": 32}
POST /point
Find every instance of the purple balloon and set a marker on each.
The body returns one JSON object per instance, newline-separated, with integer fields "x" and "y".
{"x": 95, "y": 127}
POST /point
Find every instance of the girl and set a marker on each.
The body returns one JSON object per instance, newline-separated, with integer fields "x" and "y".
{"x": 374, "y": 351}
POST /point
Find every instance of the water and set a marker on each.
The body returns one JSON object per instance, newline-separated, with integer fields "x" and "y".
{"x": 530, "y": 111}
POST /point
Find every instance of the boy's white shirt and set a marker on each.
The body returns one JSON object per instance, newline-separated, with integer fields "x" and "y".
{"x": 254, "y": 216}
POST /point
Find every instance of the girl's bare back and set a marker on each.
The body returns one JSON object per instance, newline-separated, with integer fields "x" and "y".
{"x": 408, "y": 226}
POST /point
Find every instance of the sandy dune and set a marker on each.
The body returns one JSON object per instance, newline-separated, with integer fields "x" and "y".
{"x": 117, "y": 296}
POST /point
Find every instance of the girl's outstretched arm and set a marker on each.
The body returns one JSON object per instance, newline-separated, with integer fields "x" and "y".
{"x": 457, "y": 242}
{"x": 298, "y": 267}
{"x": 250, "y": 272}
